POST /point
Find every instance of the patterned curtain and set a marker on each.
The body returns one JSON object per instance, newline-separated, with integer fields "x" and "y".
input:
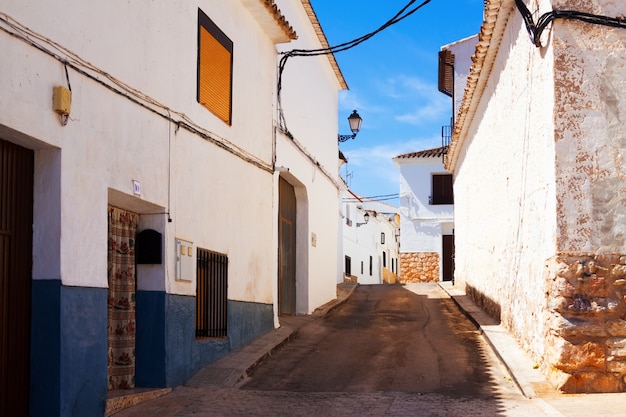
{"x": 121, "y": 298}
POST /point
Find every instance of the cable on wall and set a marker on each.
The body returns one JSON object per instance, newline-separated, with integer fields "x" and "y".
{"x": 405, "y": 12}
{"x": 536, "y": 29}
{"x": 85, "y": 68}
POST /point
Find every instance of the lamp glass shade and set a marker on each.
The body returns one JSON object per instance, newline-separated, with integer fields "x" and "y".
{"x": 355, "y": 122}
{"x": 366, "y": 217}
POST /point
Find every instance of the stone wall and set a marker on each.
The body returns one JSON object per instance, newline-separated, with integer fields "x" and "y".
{"x": 586, "y": 349}
{"x": 419, "y": 267}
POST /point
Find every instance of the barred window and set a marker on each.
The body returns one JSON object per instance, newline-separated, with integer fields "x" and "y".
{"x": 211, "y": 294}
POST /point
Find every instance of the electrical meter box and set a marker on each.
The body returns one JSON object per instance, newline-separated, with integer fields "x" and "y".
{"x": 185, "y": 260}
{"x": 61, "y": 100}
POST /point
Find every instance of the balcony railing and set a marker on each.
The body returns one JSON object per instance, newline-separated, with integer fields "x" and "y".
{"x": 446, "y": 135}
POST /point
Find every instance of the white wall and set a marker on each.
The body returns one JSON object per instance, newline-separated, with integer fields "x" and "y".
{"x": 309, "y": 100}
{"x": 504, "y": 188}
{"x": 110, "y": 141}
{"x": 463, "y": 51}
{"x": 362, "y": 240}
{"x": 421, "y": 221}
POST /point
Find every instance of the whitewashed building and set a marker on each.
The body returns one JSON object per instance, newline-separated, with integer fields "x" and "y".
{"x": 370, "y": 240}
{"x": 426, "y": 217}
{"x": 537, "y": 158}
{"x": 426, "y": 186}
{"x": 159, "y": 207}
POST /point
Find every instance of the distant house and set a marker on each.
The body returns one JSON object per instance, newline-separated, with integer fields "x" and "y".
{"x": 537, "y": 155}
{"x": 370, "y": 240}
{"x": 160, "y": 207}
{"x": 426, "y": 217}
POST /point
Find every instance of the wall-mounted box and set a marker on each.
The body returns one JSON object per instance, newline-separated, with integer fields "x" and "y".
{"x": 185, "y": 260}
{"x": 61, "y": 100}
{"x": 149, "y": 247}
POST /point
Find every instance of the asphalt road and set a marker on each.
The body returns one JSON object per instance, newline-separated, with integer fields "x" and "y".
{"x": 385, "y": 338}
{"x": 388, "y": 351}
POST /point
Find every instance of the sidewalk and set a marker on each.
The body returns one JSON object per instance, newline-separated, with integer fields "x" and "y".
{"x": 531, "y": 382}
{"x": 523, "y": 371}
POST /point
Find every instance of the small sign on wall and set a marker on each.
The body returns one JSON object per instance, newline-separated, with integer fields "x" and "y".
{"x": 185, "y": 260}
{"x": 136, "y": 187}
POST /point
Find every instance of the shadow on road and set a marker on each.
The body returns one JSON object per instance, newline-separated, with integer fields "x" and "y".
{"x": 391, "y": 343}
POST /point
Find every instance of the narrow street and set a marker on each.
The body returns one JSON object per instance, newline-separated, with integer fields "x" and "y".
{"x": 386, "y": 338}
{"x": 388, "y": 351}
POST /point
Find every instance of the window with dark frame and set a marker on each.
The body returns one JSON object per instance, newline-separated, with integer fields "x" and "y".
{"x": 371, "y": 265}
{"x": 442, "y": 189}
{"x": 348, "y": 266}
{"x": 211, "y": 294}
{"x": 215, "y": 69}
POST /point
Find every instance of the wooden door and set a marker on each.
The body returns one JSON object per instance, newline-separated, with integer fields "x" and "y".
{"x": 448, "y": 258}
{"x": 286, "y": 248}
{"x": 16, "y": 219}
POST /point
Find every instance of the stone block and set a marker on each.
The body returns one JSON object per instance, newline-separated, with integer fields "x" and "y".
{"x": 616, "y": 328}
{"x": 616, "y": 367}
{"x": 571, "y": 357}
{"x": 592, "y": 382}
{"x": 616, "y": 347}
{"x": 597, "y": 286}
{"x": 572, "y": 327}
{"x": 619, "y": 270}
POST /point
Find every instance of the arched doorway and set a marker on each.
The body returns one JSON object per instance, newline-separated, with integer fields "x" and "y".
{"x": 286, "y": 248}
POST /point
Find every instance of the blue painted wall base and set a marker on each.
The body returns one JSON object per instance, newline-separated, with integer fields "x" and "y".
{"x": 69, "y": 344}
{"x": 68, "y": 350}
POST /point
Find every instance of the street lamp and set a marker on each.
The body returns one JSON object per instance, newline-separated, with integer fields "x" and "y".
{"x": 366, "y": 218}
{"x": 355, "y": 125}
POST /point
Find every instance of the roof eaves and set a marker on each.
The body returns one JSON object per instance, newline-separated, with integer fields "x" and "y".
{"x": 322, "y": 38}
{"x": 267, "y": 13}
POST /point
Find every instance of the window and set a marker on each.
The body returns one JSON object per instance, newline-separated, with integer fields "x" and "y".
{"x": 361, "y": 267}
{"x": 442, "y": 189}
{"x": 348, "y": 265}
{"x": 211, "y": 294}
{"x": 348, "y": 220}
{"x": 371, "y": 265}
{"x": 385, "y": 259}
{"x": 215, "y": 68}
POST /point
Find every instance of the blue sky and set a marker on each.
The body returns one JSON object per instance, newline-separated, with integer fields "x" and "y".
{"x": 393, "y": 81}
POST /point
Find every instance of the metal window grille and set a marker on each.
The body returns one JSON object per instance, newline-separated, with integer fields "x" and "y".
{"x": 211, "y": 294}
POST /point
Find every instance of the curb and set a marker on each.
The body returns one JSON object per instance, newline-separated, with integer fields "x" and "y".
{"x": 519, "y": 366}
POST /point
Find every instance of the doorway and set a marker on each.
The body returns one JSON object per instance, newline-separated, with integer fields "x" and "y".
{"x": 286, "y": 248}
{"x": 121, "y": 305}
{"x": 16, "y": 220}
{"x": 448, "y": 258}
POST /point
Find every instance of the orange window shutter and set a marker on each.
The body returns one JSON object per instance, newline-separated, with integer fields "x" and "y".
{"x": 214, "y": 89}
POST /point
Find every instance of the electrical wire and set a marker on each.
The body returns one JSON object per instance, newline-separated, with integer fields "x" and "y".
{"x": 382, "y": 197}
{"x": 85, "y": 68}
{"x": 401, "y": 15}
{"x": 536, "y": 29}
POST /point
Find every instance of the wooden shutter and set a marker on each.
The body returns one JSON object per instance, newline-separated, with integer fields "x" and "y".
{"x": 214, "y": 69}
{"x": 446, "y": 72}
{"x": 442, "y": 189}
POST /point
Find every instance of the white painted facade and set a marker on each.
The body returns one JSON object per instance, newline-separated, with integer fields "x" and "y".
{"x": 137, "y": 139}
{"x": 110, "y": 141}
{"x": 422, "y": 224}
{"x": 538, "y": 180}
{"x": 370, "y": 248}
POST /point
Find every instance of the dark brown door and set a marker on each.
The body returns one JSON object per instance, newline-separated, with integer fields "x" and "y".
{"x": 448, "y": 258}
{"x": 286, "y": 248}
{"x": 16, "y": 219}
